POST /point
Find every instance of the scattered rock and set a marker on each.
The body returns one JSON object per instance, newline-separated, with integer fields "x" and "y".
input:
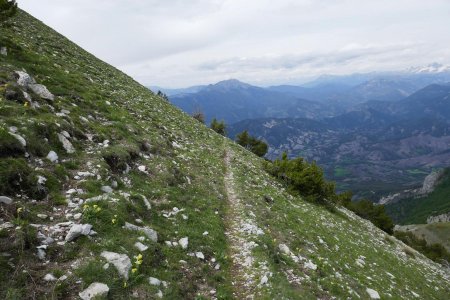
{"x": 141, "y": 247}
{"x": 24, "y": 79}
{"x": 52, "y": 156}
{"x": 264, "y": 280}
{"x": 150, "y": 233}
{"x": 310, "y": 265}
{"x": 19, "y": 138}
{"x": 154, "y": 281}
{"x": 42, "y": 91}
{"x": 95, "y": 290}
{"x": 77, "y": 230}
{"x": 77, "y": 216}
{"x": 121, "y": 261}
{"x": 373, "y": 294}
{"x": 5, "y": 200}
{"x": 67, "y": 145}
{"x": 184, "y": 242}
{"x": 284, "y": 249}
{"x": 42, "y": 216}
{"x": 49, "y": 277}
{"x": 4, "y": 51}
{"x": 199, "y": 255}
{"x": 107, "y": 189}
{"x": 142, "y": 168}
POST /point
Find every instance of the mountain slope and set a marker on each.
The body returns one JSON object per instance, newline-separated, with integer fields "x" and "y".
{"x": 416, "y": 210}
{"x": 140, "y": 171}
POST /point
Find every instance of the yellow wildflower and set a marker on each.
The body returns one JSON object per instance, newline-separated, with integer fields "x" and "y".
{"x": 113, "y": 221}
{"x": 134, "y": 270}
{"x": 19, "y": 210}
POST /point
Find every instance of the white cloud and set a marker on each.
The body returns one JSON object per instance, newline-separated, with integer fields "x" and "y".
{"x": 180, "y": 43}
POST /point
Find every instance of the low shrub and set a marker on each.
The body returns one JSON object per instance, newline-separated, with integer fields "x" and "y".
{"x": 435, "y": 252}
{"x": 9, "y": 145}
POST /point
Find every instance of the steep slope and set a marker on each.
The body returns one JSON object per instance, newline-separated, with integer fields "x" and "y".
{"x": 169, "y": 201}
{"x": 416, "y": 210}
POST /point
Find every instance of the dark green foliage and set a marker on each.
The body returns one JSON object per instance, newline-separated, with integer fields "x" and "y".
{"x": 303, "y": 178}
{"x": 251, "y": 143}
{"x": 8, "y": 8}
{"x": 374, "y": 213}
{"x": 9, "y": 145}
{"x": 162, "y": 95}
{"x": 435, "y": 252}
{"x": 219, "y": 127}
{"x": 17, "y": 177}
{"x": 417, "y": 210}
{"x": 199, "y": 116}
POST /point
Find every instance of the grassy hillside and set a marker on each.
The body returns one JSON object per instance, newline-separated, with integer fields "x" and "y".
{"x": 139, "y": 160}
{"x": 417, "y": 210}
{"x": 436, "y": 233}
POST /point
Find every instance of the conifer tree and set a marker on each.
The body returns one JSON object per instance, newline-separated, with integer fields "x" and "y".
{"x": 8, "y": 8}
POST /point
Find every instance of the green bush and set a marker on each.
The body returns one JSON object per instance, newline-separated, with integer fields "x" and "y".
{"x": 17, "y": 177}
{"x": 8, "y": 8}
{"x": 374, "y": 213}
{"x": 251, "y": 143}
{"x": 218, "y": 127}
{"x": 9, "y": 145}
{"x": 303, "y": 178}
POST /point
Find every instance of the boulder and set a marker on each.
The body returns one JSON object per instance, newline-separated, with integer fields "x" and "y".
{"x": 141, "y": 247}
{"x": 94, "y": 290}
{"x": 184, "y": 242}
{"x": 78, "y": 230}
{"x": 150, "y": 233}
{"x": 24, "y": 79}
{"x": 42, "y": 91}
{"x": 19, "y": 138}
{"x": 5, "y": 200}
{"x": 52, "y": 156}
{"x": 121, "y": 261}
{"x": 373, "y": 294}
{"x": 67, "y": 145}
{"x": 106, "y": 189}
{"x": 154, "y": 281}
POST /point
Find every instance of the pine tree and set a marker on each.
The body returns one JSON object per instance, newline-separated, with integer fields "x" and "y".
{"x": 218, "y": 127}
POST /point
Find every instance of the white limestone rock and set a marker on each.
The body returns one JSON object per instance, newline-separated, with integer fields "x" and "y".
{"x": 95, "y": 290}
{"x": 150, "y": 233}
{"x": 141, "y": 247}
{"x": 42, "y": 91}
{"x": 184, "y": 242}
{"x": 154, "y": 281}
{"x": 21, "y": 140}
{"x": 373, "y": 294}
{"x": 121, "y": 261}
{"x": 5, "y": 200}
{"x": 67, "y": 145}
{"x": 77, "y": 230}
{"x": 52, "y": 156}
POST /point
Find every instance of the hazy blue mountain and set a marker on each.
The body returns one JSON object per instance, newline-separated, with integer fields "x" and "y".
{"x": 380, "y": 148}
{"x": 234, "y": 101}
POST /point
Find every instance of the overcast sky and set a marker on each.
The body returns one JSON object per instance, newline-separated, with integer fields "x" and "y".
{"x": 178, "y": 43}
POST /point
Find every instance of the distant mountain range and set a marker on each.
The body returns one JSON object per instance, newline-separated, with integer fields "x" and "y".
{"x": 374, "y": 133}
{"x": 379, "y": 148}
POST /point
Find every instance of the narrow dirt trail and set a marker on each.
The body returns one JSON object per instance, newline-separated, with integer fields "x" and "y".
{"x": 247, "y": 276}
